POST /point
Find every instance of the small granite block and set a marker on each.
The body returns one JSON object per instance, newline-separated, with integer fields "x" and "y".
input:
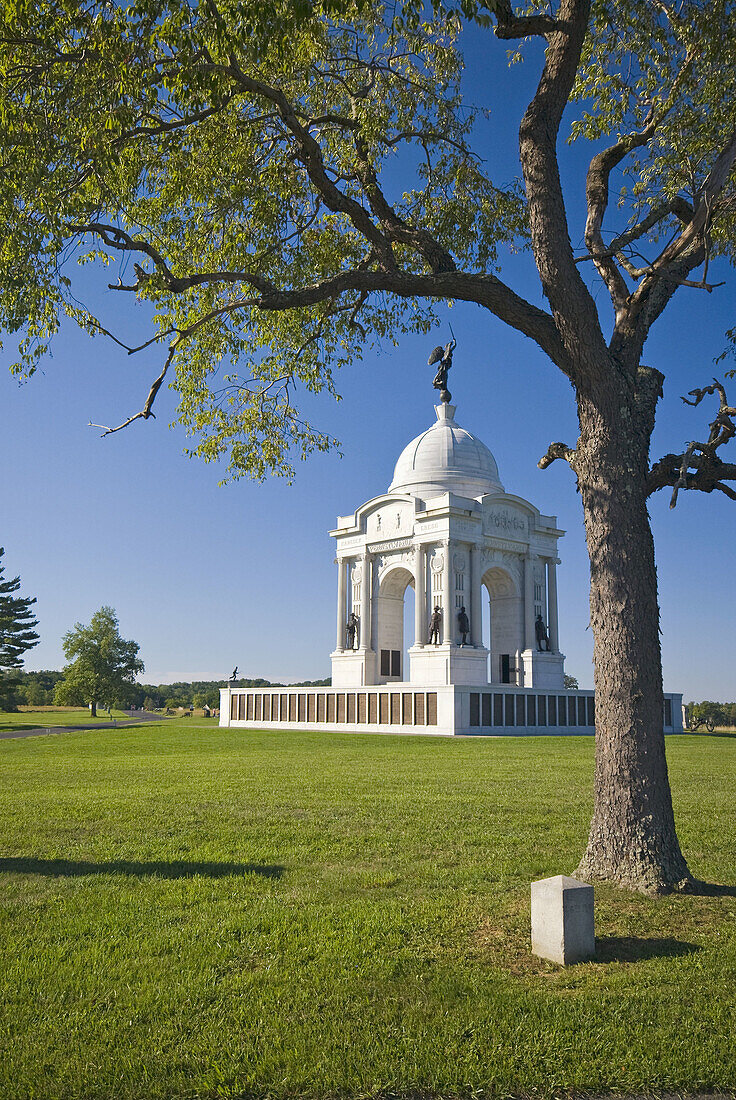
{"x": 562, "y": 920}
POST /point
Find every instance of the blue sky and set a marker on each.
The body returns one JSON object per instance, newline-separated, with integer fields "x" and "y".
{"x": 205, "y": 577}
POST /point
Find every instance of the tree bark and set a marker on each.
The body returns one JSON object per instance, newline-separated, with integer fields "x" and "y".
{"x": 632, "y": 838}
{"x": 93, "y": 709}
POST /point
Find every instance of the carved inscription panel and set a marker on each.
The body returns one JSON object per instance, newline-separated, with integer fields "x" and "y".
{"x": 506, "y": 521}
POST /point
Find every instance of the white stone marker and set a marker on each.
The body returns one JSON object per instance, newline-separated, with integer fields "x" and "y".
{"x": 562, "y": 920}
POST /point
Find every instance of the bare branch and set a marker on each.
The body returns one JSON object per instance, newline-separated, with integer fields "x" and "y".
{"x": 147, "y": 410}
{"x": 555, "y": 451}
{"x": 668, "y": 276}
{"x": 681, "y": 482}
{"x": 699, "y": 467}
{"x": 678, "y": 206}
{"x": 722, "y": 429}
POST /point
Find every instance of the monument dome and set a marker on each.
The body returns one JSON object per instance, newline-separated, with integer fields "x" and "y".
{"x": 446, "y": 459}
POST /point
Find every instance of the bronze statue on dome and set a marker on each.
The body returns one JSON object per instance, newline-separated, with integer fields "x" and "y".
{"x": 443, "y": 356}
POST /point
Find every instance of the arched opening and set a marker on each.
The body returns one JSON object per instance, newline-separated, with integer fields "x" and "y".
{"x": 394, "y": 624}
{"x": 503, "y": 625}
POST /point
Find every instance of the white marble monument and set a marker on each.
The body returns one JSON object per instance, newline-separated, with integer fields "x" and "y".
{"x": 448, "y": 529}
{"x": 482, "y": 564}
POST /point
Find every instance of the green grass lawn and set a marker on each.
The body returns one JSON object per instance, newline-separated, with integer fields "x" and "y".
{"x": 31, "y": 719}
{"x": 196, "y": 912}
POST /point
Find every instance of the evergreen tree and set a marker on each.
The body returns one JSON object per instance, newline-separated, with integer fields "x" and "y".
{"x": 16, "y": 633}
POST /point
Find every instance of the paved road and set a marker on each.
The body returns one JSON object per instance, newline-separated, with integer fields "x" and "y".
{"x": 117, "y": 723}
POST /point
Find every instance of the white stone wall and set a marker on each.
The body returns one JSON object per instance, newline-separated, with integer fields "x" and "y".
{"x": 445, "y": 710}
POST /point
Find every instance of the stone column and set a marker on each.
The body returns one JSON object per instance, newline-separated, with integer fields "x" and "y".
{"x": 365, "y": 602}
{"x": 554, "y": 635}
{"x": 530, "y": 638}
{"x": 342, "y": 608}
{"x": 448, "y": 611}
{"x": 420, "y": 595}
{"x": 476, "y": 602}
{"x": 374, "y": 601}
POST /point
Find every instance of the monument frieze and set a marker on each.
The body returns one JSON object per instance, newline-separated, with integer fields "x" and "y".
{"x": 501, "y": 544}
{"x": 392, "y": 544}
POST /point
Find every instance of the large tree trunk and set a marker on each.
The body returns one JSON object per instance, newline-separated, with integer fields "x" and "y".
{"x": 632, "y": 835}
{"x": 93, "y": 709}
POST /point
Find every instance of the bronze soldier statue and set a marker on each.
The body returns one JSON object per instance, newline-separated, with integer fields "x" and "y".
{"x": 352, "y": 630}
{"x": 435, "y": 626}
{"x": 463, "y": 624}
{"x": 541, "y": 632}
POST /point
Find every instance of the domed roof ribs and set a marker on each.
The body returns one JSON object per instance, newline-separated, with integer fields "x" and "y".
{"x": 446, "y": 458}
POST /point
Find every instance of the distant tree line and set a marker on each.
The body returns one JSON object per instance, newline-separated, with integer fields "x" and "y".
{"x": 723, "y": 714}
{"x": 38, "y": 689}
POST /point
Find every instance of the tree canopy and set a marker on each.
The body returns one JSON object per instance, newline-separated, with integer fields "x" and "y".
{"x": 102, "y": 667}
{"x": 284, "y": 187}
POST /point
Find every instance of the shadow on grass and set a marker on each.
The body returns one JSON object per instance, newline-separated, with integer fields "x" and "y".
{"x": 634, "y": 948}
{"x": 700, "y": 889}
{"x": 157, "y": 869}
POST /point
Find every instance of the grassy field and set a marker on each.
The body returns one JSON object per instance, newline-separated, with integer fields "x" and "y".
{"x": 189, "y": 912}
{"x": 31, "y": 718}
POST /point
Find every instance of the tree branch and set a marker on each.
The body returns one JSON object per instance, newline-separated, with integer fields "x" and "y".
{"x": 699, "y": 467}
{"x": 678, "y": 206}
{"x": 147, "y": 410}
{"x": 596, "y": 190}
{"x": 394, "y": 227}
{"x": 573, "y": 308}
{"x": 686, "y": 252}
{"x": 310, "y": 155}
{"x": 510, "y": 25}
{"x": 555, "y": 451}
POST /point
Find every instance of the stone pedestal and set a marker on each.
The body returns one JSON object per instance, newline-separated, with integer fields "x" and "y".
{"x": 448, "y": 664}
{"x": 543, "y": 670}
{"x": 353, "y": 667}
{"x": 562, "y": 920}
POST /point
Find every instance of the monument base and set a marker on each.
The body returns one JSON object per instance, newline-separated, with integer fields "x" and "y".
{"x": 543, "y": 670}
{"x": 438, "y": 709}
{"x": 448, "y": 664}
{"x": 353, "y": 667}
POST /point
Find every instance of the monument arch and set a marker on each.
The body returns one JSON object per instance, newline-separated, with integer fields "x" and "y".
{"x": 393, "y": 583}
